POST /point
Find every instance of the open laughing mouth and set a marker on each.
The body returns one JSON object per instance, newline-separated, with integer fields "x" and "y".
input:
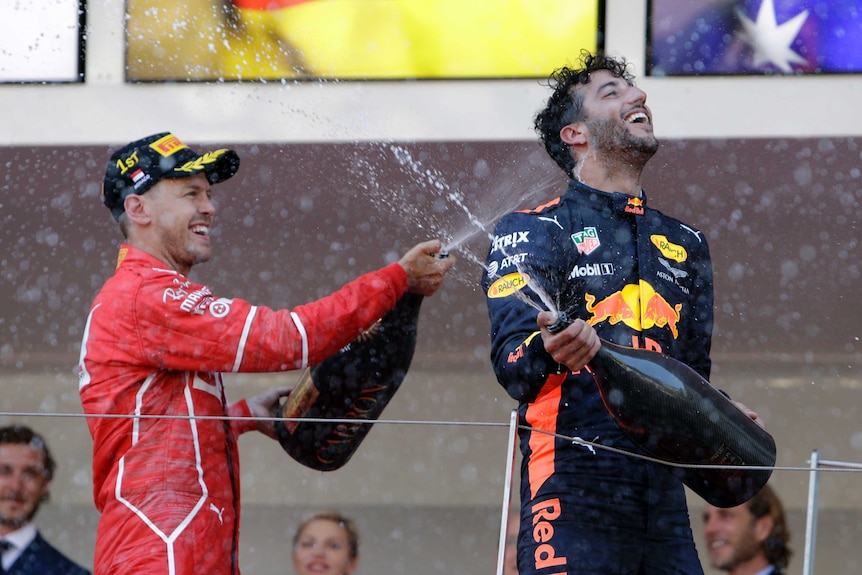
{"x": 638, "y": 117}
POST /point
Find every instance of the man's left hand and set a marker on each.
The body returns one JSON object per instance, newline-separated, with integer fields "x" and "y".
{"x": 266, "y": 405}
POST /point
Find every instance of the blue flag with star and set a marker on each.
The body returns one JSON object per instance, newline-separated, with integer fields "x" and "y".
{"x": 755, "y": 37}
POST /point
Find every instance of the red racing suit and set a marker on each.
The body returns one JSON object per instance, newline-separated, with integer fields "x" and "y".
{"x": 166, "y": 467}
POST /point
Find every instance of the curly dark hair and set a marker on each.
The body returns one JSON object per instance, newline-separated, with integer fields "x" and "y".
{"x": 775, "y": 546}
{"x": 566, "y": 105}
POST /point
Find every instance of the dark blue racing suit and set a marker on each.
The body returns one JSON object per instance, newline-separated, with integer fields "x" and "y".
{"x": 641, "y": 279}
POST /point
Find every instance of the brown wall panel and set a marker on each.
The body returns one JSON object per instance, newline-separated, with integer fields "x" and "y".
{"x": 782, "y": 218}
{"x": 299, "y": 220}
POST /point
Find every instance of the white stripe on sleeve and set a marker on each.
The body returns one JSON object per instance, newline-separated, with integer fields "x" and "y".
{"x": 242, "y": 340}
{"x": 301, "y": 329}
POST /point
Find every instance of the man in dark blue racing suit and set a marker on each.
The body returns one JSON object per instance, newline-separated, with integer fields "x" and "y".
{"x": 632, "y": 276}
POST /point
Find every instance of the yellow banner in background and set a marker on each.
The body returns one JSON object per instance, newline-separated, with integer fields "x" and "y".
{"x": 373, "y": 39}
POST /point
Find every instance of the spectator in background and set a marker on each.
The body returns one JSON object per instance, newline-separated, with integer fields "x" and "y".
{"x": 26, "y": 471}
{"x": 327, "y": 543}
{"x": 751, "y": 539}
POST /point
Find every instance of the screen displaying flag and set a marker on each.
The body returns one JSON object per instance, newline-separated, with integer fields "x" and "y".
{"x": 755, "y": 37}
{"x": 357, "y": 39}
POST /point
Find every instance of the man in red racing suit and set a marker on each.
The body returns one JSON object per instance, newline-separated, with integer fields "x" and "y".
{"x": 165, "y": 460}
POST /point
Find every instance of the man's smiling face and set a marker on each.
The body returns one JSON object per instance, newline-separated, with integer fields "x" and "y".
{"x": 182, "y": 215}
{"x": 616, "y": 116}
{"x": 23, "y": 484}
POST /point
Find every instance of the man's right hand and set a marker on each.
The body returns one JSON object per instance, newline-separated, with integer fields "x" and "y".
{"x": 573, "y": 347}
{"x": 425, "y": 270}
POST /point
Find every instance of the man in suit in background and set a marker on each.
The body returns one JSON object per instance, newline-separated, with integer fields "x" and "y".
{"x": 751, "y": 539}
{"x": 26, "y": 470}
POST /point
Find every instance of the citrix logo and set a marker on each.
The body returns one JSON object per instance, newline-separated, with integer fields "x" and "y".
{"x": 510, "y": 240}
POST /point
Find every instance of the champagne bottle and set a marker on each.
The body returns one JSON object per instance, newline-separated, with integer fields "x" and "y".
{"x": 675, "y": 415}
{"x": 354, "y": 384}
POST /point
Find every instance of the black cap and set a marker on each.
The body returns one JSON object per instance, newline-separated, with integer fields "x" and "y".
{"x": 137, "y": 167}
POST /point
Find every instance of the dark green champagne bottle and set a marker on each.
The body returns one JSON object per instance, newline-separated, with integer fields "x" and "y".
{"x": 354, "y": 384}
{"x": 675, "y": 415}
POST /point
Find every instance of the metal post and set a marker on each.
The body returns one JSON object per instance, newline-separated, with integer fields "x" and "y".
{"x": 507, "y": 490}
{"x": 811, "y": 519}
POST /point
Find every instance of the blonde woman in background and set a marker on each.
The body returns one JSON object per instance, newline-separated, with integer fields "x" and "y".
{"x": 326, "y": 543}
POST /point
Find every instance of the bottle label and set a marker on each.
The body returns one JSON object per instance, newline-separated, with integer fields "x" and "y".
{"x": 300, "y": 401}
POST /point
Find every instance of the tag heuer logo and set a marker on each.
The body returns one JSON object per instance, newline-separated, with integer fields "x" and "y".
{"x": 586, "y": 241}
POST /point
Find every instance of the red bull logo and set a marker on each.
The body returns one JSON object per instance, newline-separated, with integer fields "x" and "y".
{"x": 514, "y": 356}
{"x": 635, "y": 206}
{"x": 638, "y": 306}
{"x": 622, "y": 306}
{"x": 658, "y": 312}
{"x": 508, "y": 284}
